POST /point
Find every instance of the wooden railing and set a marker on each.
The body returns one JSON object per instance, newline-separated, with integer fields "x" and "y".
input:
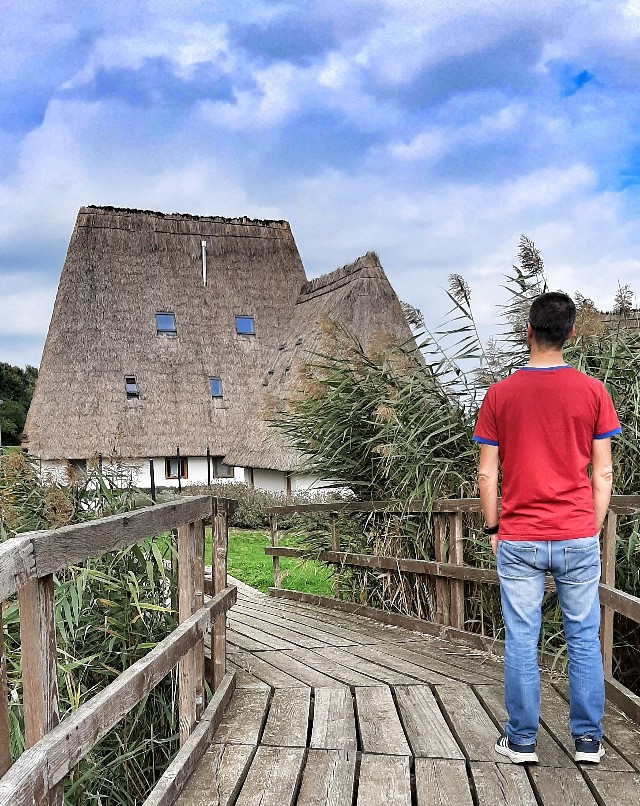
{"x": 27, "y": 565}
{"x": 450, "y": 574}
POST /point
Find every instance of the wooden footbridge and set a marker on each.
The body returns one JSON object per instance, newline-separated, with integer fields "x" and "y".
{"x": 316, "y": 701}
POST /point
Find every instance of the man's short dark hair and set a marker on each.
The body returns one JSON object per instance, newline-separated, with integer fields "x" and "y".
{"x": 551, "y": 317}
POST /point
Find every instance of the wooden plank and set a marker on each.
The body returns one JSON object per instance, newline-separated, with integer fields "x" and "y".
{"x": 456, "y": 557}
{"x": 260, "y": 635}
{"x": 554, "y": 713}
{"x": 433, "y": 568}
{"x": 219, "y": 776}
{"x": 427, "y": 731}
{"x": 70, "y": 545}
{"x": 236, "y": 640}
{"x": 17, "y": 564}
{"x": 565, "y": 789}
{"x": 258, "y": 667}
{"x": 412, "y": 654}
{"x": 288, "y": 633}
{"x": 244, "y": 718}
{"x": 395, "y": 619}
{"x": 334, "y": 722}
{"x": 619, "y": 788}
{"x": 625, "y": 700}
{"x": 277, "y": 573}
{"x": 391, "y": 661}
{"x": 332, "y": 668}
{"x": 328, "y": 778}
{"x": 381, "y": 674}
{"x": 335, "y": 546}
{"x": 311, "y": 628}
{"x": 384, "y": 780}
{"x": 68, "y": 743}
{"x": 502, "y": 785}
{"x": 442, "y": 782}
{"x": 188, "y": 685}
{"x": 273, "y": 777}
{"x": 621, "y": 602}
{"x": 549, "y": 752}
{"x": 379, "y": 726}
{"x": 175, "y": 777}
{"x": 5, "y": 733}
{"x": 608, "y": 577}
{"x": 244, "y": 679}
{"x": 301, "y": 671}
{"x": 457, "y": 656}
{"x": 473, "y": 727}
{"x": 288, "y": 720}
{"x": 219, "y": 544}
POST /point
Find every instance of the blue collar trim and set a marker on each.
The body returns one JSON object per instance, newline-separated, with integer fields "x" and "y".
{"x": 541, "y": 369}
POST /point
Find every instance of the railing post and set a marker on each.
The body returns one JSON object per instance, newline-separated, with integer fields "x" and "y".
{"x": 335, "y": 546}
{"x": 442, "y": 585}
{"x": 219, "y": 547}
{"x": 608, "y": 577}
{"x": 190, "y": 668}
{"x": 456, "y": 557}
{"x": 5, "y": 735}
{"x": 39, "y": 665}
{"x": 277, "y": 574}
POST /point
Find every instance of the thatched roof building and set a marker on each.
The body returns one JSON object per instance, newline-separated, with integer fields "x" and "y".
{"x": 168, "y": 330}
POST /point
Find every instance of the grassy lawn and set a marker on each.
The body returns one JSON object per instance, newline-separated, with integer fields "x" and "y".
{"x": 248, "y": 562}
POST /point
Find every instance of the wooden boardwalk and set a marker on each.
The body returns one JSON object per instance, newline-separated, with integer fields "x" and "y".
{"x": 336, "y": 709}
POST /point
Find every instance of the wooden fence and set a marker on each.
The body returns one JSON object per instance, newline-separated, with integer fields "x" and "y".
{"x": 27, "y": 565}
{"x": 450, "y": 574}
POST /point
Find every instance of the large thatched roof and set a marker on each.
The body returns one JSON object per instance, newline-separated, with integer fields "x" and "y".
{"x": 123, "y": 267}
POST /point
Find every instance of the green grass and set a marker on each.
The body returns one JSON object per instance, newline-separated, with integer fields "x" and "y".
{"x": 247, "y": 562}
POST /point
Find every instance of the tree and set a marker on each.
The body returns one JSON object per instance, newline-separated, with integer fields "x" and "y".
{"x": 16, "y": 391}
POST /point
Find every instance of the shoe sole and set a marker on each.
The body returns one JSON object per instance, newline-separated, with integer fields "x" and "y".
{"x": 517, "y": 758}
{"x": 588, "y": 758}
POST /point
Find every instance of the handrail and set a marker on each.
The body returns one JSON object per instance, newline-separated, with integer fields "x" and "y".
{"x": 450, "y": 572}
{"x": 27, "y": 564}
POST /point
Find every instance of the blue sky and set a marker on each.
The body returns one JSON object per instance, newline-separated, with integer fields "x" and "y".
{"x": 432, "y": 131}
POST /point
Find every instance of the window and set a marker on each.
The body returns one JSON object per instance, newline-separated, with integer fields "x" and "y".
{"x": 79, "y": 467}
{"x": 166, "y": 324}
{"x": 215, "y": 385}
{"x": 131, "y": 386}
{"x": 245, "y": 326}
{"x": 172, "y": 464}
{"x": 220, "y": 470}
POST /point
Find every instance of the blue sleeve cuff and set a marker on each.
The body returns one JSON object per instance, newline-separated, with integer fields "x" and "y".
{"x": 608, "y": 434}
{"x": 484, "y": 441}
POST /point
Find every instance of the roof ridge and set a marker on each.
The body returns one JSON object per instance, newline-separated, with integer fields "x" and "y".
{"x": 370, "y": 260}
{"x": 97, "y": 208}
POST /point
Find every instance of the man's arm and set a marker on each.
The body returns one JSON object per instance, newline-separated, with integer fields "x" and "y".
{"x": 601, "y": 478}
{"x": 488, "y": 483}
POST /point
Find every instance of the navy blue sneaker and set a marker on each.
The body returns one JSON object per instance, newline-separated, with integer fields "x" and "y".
{"x": 516, "y": 753}
{"x": 589, "y": 750}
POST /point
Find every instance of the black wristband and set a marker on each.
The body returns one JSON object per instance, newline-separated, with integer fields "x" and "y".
{"x": 491, "y": 530}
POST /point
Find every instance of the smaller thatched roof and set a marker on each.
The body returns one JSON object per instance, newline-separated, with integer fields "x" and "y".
{"x": 357, "y": 296}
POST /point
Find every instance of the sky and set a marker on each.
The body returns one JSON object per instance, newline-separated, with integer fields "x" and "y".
{"x": 435, "y": 132}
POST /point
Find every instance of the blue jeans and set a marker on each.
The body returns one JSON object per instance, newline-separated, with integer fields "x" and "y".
{"x": 575, "y": 566}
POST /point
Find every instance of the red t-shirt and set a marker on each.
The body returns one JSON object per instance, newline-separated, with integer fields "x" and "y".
{"x": 543, "y": 422}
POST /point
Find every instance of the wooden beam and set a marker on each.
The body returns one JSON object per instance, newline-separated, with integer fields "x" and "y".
{"x": 219, "y": 546}
{"x": 277, "y": 575}
{"x": 67, "y": 744}
{"x": 442, "y": 587}
{"x": 173, "y": 781}
{"x": 5, "y": 734}
{"x": 187, "y": 672}
{"x": 623, "y": 603}
{"x": 17, "y": 564}
{"x": 74, "y": 544}
{"x": 39, "y": 665}
{"x": 625, "y": 699}
{"x": 456, "y": 557}
{"x": 608, "y": 577}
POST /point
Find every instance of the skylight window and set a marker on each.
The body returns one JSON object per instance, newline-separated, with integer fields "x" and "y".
{"x": 166, "y": 324}
{"x": 245, "y": 326}
{"x": 215, "y": 385}
{"x": 131, "y": 386}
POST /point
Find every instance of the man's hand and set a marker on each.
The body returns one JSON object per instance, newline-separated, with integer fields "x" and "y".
{"x": 494, "y": 544}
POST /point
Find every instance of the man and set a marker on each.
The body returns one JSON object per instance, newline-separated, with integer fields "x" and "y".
{"x": 544, "y": 425}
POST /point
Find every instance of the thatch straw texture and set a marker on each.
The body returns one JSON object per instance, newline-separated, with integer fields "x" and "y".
{"x": 124, "y": 266}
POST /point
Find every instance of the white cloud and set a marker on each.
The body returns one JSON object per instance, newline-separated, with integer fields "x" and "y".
{"x": 24, "y": 311}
